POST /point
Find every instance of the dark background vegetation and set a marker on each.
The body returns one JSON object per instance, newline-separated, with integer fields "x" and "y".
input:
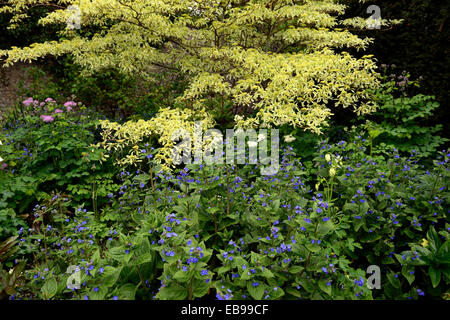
{"x": 419, "y": 46}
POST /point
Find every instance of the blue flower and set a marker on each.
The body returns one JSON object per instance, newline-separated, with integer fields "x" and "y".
{"x": 204, "y": 272}
{"x": 171, "y": 234}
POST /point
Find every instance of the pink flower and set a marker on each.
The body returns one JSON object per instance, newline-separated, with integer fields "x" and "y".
{"x": 49, "y": 100}
{"x": 69, "y": 108}
{"x": 4, "y": 166}
{"x": 28, "y": 102}
{"x": 58, "y": 111}
{"x": 70, "y": 104}
{"x": 47, "y": 118}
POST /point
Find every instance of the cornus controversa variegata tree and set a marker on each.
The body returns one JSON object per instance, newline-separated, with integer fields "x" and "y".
{"x": 277, "y": 61}
{"x": 274, "y": 57}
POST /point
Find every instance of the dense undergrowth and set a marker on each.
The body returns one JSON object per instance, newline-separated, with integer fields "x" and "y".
{"x": 224, "y": 231}
{"x": 358, "y": 212}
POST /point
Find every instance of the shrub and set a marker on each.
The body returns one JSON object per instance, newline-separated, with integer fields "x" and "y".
{"x": 273, "y": 59}
{"x": 48, "y": 149}
{"x": 401, "y": 121}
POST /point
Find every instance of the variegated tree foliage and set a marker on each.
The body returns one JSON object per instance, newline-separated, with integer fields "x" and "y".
{"x": 273, "y": 58}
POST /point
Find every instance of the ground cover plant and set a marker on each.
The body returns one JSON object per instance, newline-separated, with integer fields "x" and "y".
{"x": 230, "y": 232}
{"x": 94, "y": 205}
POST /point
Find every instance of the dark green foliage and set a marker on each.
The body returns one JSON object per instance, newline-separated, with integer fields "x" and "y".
{"x": 401, "y": 122}
{"x": 44, "y": 157}
{"x": 10, "y": 223}
{"x": 420, "y": 45}
{"x": 28, "y": 32}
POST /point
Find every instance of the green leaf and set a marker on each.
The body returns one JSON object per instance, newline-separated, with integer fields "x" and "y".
{"x": 117, "y": 253}
{"x": 443, "y": 254}
{"x": 238, "y": 262}
{"x": 313, "y": 247}
{"x": 183, "y": 276}
{"x": 98, "y": 295}
{"x": 142, "y": 177}
{"x": 393, "y": 280}
{"x": 433, "y": 237}
{"x": 359, "y": 223}
{"x": 128, "y": 274}
{"x": 173, "y": 292}
{"x": 201, "y": 287}
{"x": 324, "y": 287}
{"x": 49, "y": 288}
{"x": 275, "y": 294}
{"x": 352, "y": 207}
{"x": 223, "y": 269}
{"x": 267, "y": 273}
{"x": 256, "y": 292}
{"x": 435, "y": 276}
{"x": 299, "y": 250}
{"x": 127, "y": 292}
{"x": 110, "y": 276}
{"x": 371, "y": 237}
{"x": 293, "y": 291}
{"x": 406, "y": 273}
{"x": 446, "y": 271}
{"x": 308, "y": 285}
{"x": 324, "y": 228}
{"x": 295, "y": 269}
{"x": 143, "y": 258}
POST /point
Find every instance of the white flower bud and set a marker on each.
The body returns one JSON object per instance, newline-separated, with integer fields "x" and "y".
{"x": 289, "y": 138}
{"x": 332, "y": 172}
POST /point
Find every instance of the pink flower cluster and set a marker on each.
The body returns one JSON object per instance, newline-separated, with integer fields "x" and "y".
{"x": 47, "y": 119}
{"x": 69, "y": 105}
{"x": 30, "y": 102}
